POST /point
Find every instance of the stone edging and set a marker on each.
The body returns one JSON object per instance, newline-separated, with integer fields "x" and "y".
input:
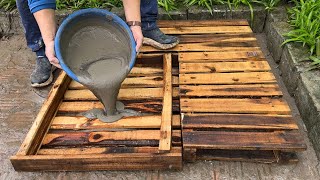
{"x": 303, "y": 85}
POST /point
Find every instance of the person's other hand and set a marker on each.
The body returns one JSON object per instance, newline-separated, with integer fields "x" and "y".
{"x": 138, "y": 37}
{"x": 51, "y": 55}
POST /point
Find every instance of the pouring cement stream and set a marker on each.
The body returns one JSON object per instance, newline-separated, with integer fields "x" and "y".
{"x": 99, "y": 53}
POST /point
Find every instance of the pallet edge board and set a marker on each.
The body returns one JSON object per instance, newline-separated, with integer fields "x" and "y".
{"x": 126, "y": 161}
{"x": 276, "y": 140}
{"x": 43, "y": 119}
{"x": 166, "y": 118}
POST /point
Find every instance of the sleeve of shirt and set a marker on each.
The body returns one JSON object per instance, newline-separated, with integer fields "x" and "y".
{"x": 37, "y": 5}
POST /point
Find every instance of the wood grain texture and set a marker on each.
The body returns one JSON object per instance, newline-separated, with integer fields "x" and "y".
{"x": 221, "y": 67}
{"x": 117, "y": 137}
{"x": 230, "y": 105}
{"x": 246, "y": 156}
{"x": 240, "y": 39}
{"x": 124, "y": 94}
{"x": 241, "y": 90}
{"x": 227, "y": 78}
{"x": 166, "y": 118}
{"x": 82, "y": 123}
{"x": 278, "y": 140}
{"x": 207, "y": 30}
{"x": 202, "y": 23}
{"x": 144, "y": 106}
{"x": 135, "y": 82}
{"x": 206, "y": 46}
{"x": 238, "y": 121}
{"x": 32, "y": 142}
{"x": 197, "y": 57}
{"x": 103, "y": 150}
{"x": 121, "y": 161}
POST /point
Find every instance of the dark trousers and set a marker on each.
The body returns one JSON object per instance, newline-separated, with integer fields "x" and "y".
{"x": 149, "y": 13}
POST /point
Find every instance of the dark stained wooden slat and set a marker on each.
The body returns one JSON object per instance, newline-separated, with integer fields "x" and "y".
{"x": 278, "y": 140}
{"x": 247, "y": 156}
{"x": 232, "y": 105}
{"x": 222, "y": 38}
{"x": 220, "y": 67}
{"x": 102, "y": 150}
{"x": 246, "y": 90}
{"x": 207, "y": 30}
{"x": 207, "y": 46}
{"x": 238, "y": 121}
{"x": 198, "y": 57}
{"x": 134, "y": 82}
{"x": 82, "y": 123}
{"x": 131, "y": 138}
{"x": 202, "y": 23}
{"x": 121, "y": 161}
{"x": 124, "y": 94}
{"x": 228, "y": 78}
{"x": 144, "y": 106}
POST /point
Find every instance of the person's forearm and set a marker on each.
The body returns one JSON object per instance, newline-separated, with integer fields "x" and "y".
{"x": 47, "y": 24}
{"x": 132, "y": 10}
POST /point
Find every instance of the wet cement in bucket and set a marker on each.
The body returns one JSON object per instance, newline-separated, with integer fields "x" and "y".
{"x": 99, "y": 54}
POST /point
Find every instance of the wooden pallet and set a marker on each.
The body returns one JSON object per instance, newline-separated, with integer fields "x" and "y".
{"x": 216, "y": 80}
{"x": 231, "y": 105}
{"x": 61, "y": 140}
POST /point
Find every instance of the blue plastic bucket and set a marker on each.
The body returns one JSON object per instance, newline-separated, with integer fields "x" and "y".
{"x": 73, "y": 19}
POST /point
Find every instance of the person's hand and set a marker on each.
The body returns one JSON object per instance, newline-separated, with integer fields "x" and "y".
{"x": 51, "y": 55}
{"x": 138, "y": 37}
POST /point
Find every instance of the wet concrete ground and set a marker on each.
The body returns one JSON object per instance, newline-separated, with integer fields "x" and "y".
{"x": 19, "y": 105}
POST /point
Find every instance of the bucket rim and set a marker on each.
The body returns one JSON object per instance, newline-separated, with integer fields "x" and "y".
{"x": 78, "y": 13}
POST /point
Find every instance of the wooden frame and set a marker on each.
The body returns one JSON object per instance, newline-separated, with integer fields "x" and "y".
{"x": 35, "y": 154}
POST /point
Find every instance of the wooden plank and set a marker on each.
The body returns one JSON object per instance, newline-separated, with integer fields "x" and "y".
{"x": 144, "y": 106}
{"x": 121, "y": 161}
{"x": 146, "y": 70}
{"x": 221, "y": 105}
{"x": 218, "y": 38}
{"x": 117, "y": 137}
{"x": 202, "y": 23}
{"x": 220, "y": 56}
{"x": 277, "y": 140}
{"x": 245, "y": 90}
{"x": 207, "y": 46}
{"x": 220, "y": 67}
{"x": 135, "y": 82}
{"x": 102, "y": 150}
{"x": 166, "y": 119}
{"x": 238, "y": 121}
{"x": 206, "y": 30}
{"x": 228, "y": 78}
{"x": 124, "y": 94}
{"x": 237, "y": 155}
{"x": 141, "y": 122}
{"x": 32, "y": 142}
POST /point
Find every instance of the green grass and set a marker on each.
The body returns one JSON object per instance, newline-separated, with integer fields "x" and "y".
{"x": 82, "y": 4}
{"x": 305, "y": 18}
{"x": 8, "y": 5}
